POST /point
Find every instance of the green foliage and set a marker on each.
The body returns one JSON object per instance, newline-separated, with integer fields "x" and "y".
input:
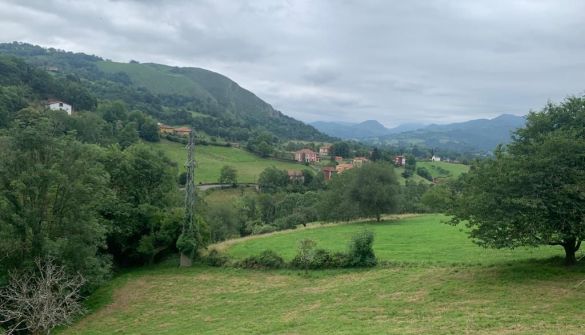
{"x": 361, "y": 252}
{"x": 268, "y": 259}
{"x": 228, "y": 175}
{"x": 439, "y": 198}
{"x": 272, "y": 180}
{"x": 375, "y": 189}
{"x": 215, "y": 258}
{"x": 340, "y": 149}
{"x": 222, "y": 220}
{"x": 411, "y": 197}
{"x": 531, "y": 193}
{"x": 423, "y": 172}
{"x": 51, "y": 189}
{"x": 145, "y": 189}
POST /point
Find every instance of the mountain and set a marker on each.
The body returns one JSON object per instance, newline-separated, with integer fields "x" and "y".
{"x": 481, "y": 135}
{"x": 366, "y": 129}
{"x": 209, "y": 101}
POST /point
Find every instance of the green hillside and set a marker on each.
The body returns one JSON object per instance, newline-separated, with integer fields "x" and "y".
{"x": 173, "y": 95}
{"x": 210, "y": 160}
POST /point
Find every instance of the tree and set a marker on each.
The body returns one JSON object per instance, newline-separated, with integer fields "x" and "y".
{"x": 51, "y": 190}
{"x": 375, "y": 189}
{"x": 424, "y": 172}
{"x": 376, "y": 155}
{"x": 532, "y": 192}
{"x": 228, "y": 175}
{"x": 144, "y": 184}
{"x": 40, "y": 299}
{"x": 272, "y": 179}
{"x": 306, "y": 253}
{"x": 340, "y": 149}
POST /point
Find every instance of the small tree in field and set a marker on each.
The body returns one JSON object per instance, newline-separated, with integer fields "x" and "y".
{"x": 306, "y": 253}
{"x": 375, "y": 189}
{"x": 228, "y": 175}
{"x": 533, "y": 192}
{"x": 40, "y": 299}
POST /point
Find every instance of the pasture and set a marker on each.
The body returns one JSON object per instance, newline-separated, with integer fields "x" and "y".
{"x": 421, "y": 239}
{"x": 443, "y": 169}
{"x": 439, "y": 283}
{"x": 210, "y": 160}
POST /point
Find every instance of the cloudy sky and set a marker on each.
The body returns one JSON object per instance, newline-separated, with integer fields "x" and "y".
{"x": 393, "y": 61}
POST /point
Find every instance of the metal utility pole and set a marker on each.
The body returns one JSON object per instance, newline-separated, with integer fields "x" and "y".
{"x": 190, "y": 229}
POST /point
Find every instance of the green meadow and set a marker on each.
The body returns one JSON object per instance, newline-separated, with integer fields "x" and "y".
{"x": 434, "y": 281}
{"x": 210, "y": 159}
{"x": 421, "y": 239}
{"x": 443, "y": 169}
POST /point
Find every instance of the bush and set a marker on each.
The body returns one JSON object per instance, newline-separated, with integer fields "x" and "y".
{"x": 215, "y": 258}
{"x": 320, "y": 259}
{"x": 268, "y": 259}
{"x": 361, "y": 252}
{"x": 264, "y": 229}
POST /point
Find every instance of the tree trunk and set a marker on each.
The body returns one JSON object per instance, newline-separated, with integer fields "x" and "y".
{"x": 185, "y": 261}
{"x": 378, "y": 217}
{"x": 571, "y": 245}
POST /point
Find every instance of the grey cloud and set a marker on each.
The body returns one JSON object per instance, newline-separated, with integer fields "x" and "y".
{"x": 394, "y": 61}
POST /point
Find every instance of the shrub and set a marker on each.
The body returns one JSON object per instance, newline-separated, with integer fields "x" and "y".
{"x": 305, "y": 254}
{"x": 268, "y": 259}
{"x": 215, "y": 258}
{"x": 264, "y": 229}
{"x": 361, "y": 252}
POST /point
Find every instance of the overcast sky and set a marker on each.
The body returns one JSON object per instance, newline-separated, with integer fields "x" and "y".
{"x": 393, "y": 61}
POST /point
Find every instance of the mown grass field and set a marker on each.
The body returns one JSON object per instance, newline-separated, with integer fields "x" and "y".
{"x": 507, "y": 294}
{"x": 210, "y": 160}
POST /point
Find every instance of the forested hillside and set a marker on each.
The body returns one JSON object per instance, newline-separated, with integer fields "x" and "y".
{"x": 212, "y": 103}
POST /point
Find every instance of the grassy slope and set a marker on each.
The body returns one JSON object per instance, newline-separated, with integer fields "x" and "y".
{"x": 158, "y": 79}
{"x": 454, "y": 170}
{"x": 420, "y": 239}
{"x": 515, "y": 297}
{"x": 210, "y": 160}
{"x": 221, "y": 197}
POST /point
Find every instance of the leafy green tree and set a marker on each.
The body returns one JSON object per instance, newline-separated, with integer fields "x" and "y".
{"x": 439, "y": 198}
{"x": 532, "y": 192}
{"x": 375, "y": 189}
{"x": 272, "y": 180}
{"x": 127, "y": 135}
{"x": 228, "y": 175}
{"x": 376, "y": 155}
{"x": 50, "y": 191}
{"x": 340, "y": 149}
{"x": 144, "y": 184}
{"x": 267, "y": 207}
{"x": 424, "y": 172}
{"x": 113, "y": 111}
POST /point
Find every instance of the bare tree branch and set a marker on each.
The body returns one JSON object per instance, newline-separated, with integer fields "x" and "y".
{"x": 40, "y": 299}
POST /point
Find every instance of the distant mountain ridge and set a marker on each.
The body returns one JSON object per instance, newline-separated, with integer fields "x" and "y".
{"x": 478, "y": 135}
{"x": 366, "y": 129}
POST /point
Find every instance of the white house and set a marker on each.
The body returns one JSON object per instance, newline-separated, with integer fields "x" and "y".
{"x": 57, "y": 105}
{"x": 435, "y": 158}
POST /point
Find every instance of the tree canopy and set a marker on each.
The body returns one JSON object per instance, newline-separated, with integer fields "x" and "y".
{"x": 533, "y": 192}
